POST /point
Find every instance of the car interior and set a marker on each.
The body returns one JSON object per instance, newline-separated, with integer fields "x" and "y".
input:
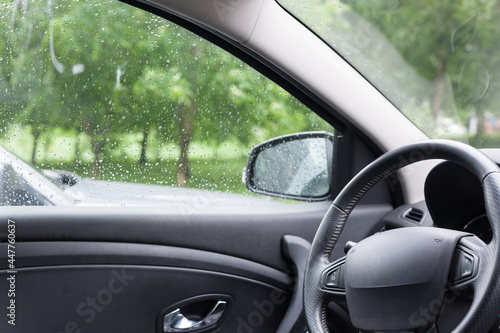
{"x": 374, "y": 226}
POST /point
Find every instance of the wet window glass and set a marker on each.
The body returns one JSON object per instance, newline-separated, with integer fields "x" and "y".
{"x": 113, "y": 105}
{"x": 436, "y": 61}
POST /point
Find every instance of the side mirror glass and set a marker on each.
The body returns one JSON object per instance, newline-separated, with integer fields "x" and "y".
{"x": 297, "y": 166}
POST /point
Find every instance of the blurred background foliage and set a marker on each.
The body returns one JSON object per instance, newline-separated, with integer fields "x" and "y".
{"x": 111, "y": 92}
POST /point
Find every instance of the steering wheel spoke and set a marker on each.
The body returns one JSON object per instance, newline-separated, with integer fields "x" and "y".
{"x": 332, "y": 282}
{"x": 465, "y": 265}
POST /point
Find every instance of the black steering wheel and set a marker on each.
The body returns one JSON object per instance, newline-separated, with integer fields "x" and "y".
{"x": 388, "y": 278}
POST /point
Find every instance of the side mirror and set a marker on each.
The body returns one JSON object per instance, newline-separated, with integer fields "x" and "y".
{"x": 62, "y": 177}
{"x": 296, "y": 166}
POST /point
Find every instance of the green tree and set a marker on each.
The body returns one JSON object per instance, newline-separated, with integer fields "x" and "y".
{"x": 26, "y": 71}
{"x": 434, "y": 36}
{"x": 122, "y": 71}
{"x": 95, "y": 58}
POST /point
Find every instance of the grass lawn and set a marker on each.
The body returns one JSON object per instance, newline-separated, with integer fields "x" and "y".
{"x": 212, "y": 167}
{"x": 221, "y": 174}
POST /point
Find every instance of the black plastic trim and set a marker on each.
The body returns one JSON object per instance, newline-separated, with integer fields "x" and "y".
{"x": 37, "y": 254}
{"x": 128, "y": 298}
{"x": 295, "y": 250}
{"x": 395, "y": 218}
{"x": 252, "y": 233}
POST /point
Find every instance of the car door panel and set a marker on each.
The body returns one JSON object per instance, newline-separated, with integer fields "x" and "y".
{"x": 69, "y": 262}
{"x": 129, "y": 298}
{"x": 242, "y": 232}
{"x": 51, "y": 254}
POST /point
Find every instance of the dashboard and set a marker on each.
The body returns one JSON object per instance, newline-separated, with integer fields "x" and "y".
{"x": 453, "y": 199}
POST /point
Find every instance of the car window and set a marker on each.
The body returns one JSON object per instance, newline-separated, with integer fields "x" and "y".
{"x": 99, "y": 97}
{"x": 436, "y": 61}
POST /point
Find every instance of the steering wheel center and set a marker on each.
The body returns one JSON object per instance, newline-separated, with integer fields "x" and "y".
{"x": 389, "y": 275}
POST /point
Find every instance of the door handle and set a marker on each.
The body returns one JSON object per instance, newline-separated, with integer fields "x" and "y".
{"x": 175, "y": 321}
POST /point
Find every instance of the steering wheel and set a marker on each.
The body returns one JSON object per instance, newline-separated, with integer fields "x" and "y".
{"x": 396, "y": 280}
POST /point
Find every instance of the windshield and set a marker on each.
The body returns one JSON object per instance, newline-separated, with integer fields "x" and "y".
{"x": 436, "y": 61}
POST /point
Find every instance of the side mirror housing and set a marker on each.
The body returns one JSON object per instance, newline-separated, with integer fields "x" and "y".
{"x": 62, "y": 177}
{"x": 296, "y": 166}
